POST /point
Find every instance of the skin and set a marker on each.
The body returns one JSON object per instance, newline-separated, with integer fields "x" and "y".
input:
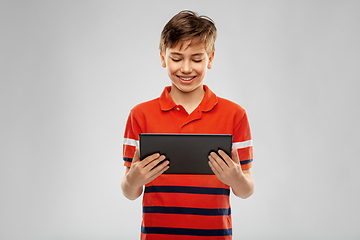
{"x": 230, "y": 173}
{"x": 186, "y": 68}
{"x": 190, "y": 61}
{"x": 140, "y": 173}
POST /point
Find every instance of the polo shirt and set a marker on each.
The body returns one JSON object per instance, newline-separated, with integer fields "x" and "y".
{"x": 187, "y": 206}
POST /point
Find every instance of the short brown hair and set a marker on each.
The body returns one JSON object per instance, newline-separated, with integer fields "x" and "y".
{"x": 185, "y": 26}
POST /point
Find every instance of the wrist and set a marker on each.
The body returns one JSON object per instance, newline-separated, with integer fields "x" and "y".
{"x": 131, "y": 183}
{"x": 130, "y": 190}
{"x": 239, "y": 180}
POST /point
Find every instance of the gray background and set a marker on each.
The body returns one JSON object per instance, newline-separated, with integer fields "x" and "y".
{"x": 72, "y": 70}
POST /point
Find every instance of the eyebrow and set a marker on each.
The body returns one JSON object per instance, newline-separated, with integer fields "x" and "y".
{"x": 194, "y": 55}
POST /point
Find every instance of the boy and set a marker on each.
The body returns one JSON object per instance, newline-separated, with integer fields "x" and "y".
{"x": 187, "y": 206}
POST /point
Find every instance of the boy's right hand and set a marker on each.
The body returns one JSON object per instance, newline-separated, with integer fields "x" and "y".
{"x": 143, "y": 172}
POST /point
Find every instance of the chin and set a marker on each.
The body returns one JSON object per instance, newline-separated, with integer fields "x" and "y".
{"x": 187, "y": 89}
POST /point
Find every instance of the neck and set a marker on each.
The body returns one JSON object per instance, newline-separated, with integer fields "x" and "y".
{"x": 189, "y": 100}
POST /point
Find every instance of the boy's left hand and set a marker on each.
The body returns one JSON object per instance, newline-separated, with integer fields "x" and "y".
{"x": 228, "y": 172}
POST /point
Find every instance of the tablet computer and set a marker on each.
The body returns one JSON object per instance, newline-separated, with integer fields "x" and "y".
{"x": 187, "y": 153}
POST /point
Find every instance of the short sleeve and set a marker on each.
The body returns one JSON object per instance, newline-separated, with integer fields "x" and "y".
{"x": 131, "y": 140}
{"x": 243, "y": 142}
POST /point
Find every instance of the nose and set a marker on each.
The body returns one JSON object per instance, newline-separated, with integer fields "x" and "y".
{"x": 186, "y": 67}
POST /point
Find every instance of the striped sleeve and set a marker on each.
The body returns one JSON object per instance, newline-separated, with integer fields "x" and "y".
{"x": 130, "y": 141}
{"x": 243, "y": 142}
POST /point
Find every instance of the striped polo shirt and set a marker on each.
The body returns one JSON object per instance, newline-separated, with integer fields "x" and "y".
{"x": 188, "y": 206}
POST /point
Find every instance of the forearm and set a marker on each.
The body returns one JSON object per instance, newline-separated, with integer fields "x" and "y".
{"x": 130, "y": 191}
{"x": 244, "y": 187}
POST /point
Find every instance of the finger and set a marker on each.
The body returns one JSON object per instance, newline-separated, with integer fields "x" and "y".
{"x": 225, "y": 157}
{"x": 214, "y": 169}
{"x": 149, "y": 159}
{"x": 162, "y": 168}
{"x": 155, "y": 162}
{"x": 216, "y": 162}
{"x": 219, "y": 160}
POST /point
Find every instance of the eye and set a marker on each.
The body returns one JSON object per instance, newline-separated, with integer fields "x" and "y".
{"x": 197, "y": 61}
{"x": 176, "y": 60}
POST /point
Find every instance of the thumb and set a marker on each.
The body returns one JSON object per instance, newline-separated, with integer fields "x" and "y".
{"x": 136, "y": 157}
{"x": 235, "y": 156}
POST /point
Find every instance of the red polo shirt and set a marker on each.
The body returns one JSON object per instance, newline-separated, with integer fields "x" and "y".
{"x": 188, "y": 206}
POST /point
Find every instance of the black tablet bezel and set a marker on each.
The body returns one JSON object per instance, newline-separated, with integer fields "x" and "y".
{"x": 187, "y": 153}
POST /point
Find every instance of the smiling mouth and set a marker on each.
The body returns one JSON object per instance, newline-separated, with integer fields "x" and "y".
{"x": 186, "y": 78}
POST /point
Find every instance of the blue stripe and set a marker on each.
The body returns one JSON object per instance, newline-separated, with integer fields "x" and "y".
{"x": 246, "y": 161}
{"x": 127, "y": 159}
{"x": 186, "y": 231}
{"x": 189, "y": 211}
{"x": 189, "y": 190}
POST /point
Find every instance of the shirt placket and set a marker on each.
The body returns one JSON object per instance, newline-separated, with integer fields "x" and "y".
{"x": 184, "y": 119}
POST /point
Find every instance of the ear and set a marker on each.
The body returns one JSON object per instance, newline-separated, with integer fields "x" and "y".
{"x": 162, "y": 58}
{"x": 211, "y": 59}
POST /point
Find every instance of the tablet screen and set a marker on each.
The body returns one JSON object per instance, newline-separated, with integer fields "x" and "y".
{"x": 187, "y": 153}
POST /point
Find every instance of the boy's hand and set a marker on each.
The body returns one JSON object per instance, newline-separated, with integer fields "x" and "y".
{"x": 143, "y": 172}
{"x": 228, "y": 172}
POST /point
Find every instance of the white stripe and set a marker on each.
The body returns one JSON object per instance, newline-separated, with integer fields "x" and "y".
{"x": 131, "y": 142}
{"x": 242, "y": 144}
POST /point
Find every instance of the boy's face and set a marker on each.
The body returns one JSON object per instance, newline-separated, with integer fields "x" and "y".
{"x": 187, "y": 66}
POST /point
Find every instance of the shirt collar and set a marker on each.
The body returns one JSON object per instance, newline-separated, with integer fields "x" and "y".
{"x": 209, "y": 101}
